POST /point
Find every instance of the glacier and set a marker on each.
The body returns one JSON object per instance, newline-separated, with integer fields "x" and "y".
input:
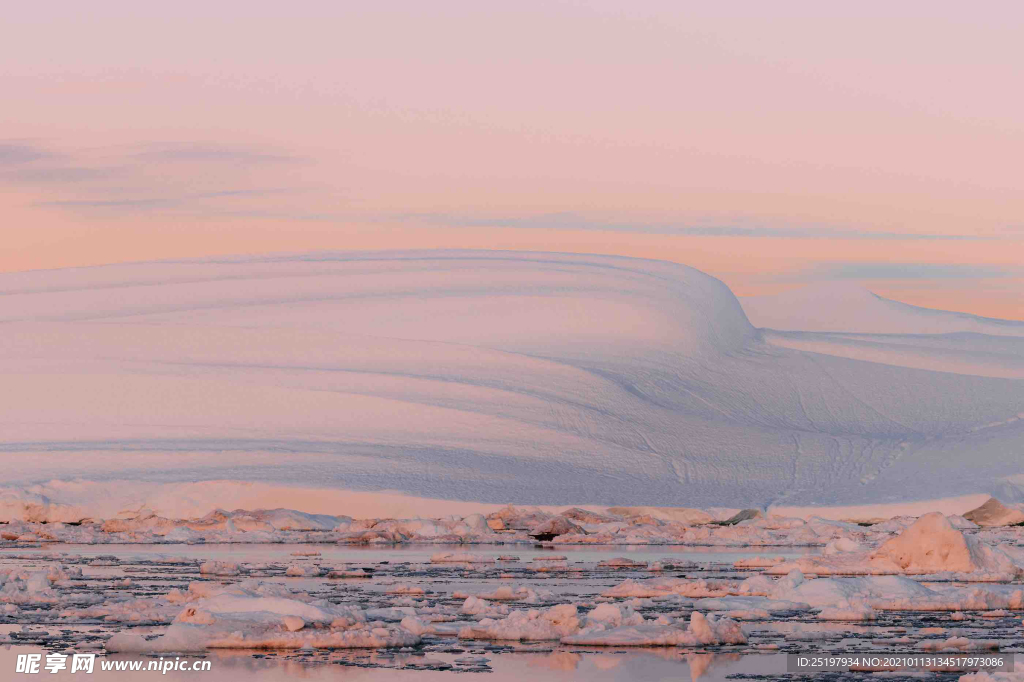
{"x": 493, "y": 377}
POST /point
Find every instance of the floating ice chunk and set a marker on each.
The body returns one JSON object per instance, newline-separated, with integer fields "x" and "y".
{"x": 932, "y": 545}
{"x": 702, "y": 630}
{"x": 185, "y": 637}
{"x": 417, "y": 626}
{"x": 533, "y": 625}
{"x": 897, "y": 593}
{"x": 349, "y": 573}
{"x": 474, "y": 606}
{"x": 929, "y": 545}
{"x": 303, "y": 570}
{"x": 552, "y": 567}
{"x": 509, "y": 593}
{"x": 660, "y": 587}
{"x": 246, "y": 616}
{"x": 842, "y": 592}
{"x": 614, "y": 615}
{"x": 621, "y": 562}
{"x": 841, "y": 546}
{"x": 393, "y": 614}
{"x": 757, "y": 585}
{"x": 960, "y": 644}
{"x": 235, "y": 602}
{"x": 219, "y": 568}
{"x": 22, "y": 586}
{"x": 405, "y": 589}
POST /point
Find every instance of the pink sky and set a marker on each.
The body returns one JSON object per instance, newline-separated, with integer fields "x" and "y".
{"x": 769, "y": 144}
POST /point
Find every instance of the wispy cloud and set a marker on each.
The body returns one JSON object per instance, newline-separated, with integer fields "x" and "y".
{"x": 30, "y": 163}
{"x": 575, "y": 221}
{"x": 52, "y": 174}
{"x": 16, "y": 152}
{"x": 202, "y": 151}
{"x": 133, "y": 204}
{"x": 909, "y": 271}
{"x": 151, "y": 177}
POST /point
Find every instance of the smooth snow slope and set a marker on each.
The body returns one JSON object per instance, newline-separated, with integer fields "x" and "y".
{"x": 496, "y": 377}
{"x": 849, "y": 307}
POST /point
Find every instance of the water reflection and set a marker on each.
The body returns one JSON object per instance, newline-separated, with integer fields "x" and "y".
{"x": 381, "y": 666}
{"x": 558, "y": 660}
{"x": 701, "y": 664}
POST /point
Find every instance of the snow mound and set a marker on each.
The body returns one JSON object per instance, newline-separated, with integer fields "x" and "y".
{"x": 933, "y": 545}
{"x": 532, "y": 378}
{"x": 929, "y": 545}
{"x": 995, "y": 513}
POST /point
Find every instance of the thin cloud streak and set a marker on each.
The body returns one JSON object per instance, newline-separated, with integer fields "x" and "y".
{"x": 51, "y": 173}
{"x": 55, "y": 175}
{"x": 909, "y": 271}
{"x": 205, "y": 152}
{"x": 572, "y": 221}
{"x": 156, "y": 202}
{"x": 229, "y": 163}
{"x": 14, "y": 152}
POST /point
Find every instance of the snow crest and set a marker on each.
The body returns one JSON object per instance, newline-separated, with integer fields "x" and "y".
{"x": 532, "y": 378}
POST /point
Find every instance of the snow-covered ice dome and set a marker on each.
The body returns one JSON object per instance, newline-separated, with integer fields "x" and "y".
{"x": 533, "y": 378}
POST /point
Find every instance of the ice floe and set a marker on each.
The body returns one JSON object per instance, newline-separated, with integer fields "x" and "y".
{"x": 243, "y": 617}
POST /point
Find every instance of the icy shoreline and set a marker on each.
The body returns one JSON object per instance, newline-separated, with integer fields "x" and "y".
{"x": 522, "y": 525}
{"x": 945, "y": 548}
